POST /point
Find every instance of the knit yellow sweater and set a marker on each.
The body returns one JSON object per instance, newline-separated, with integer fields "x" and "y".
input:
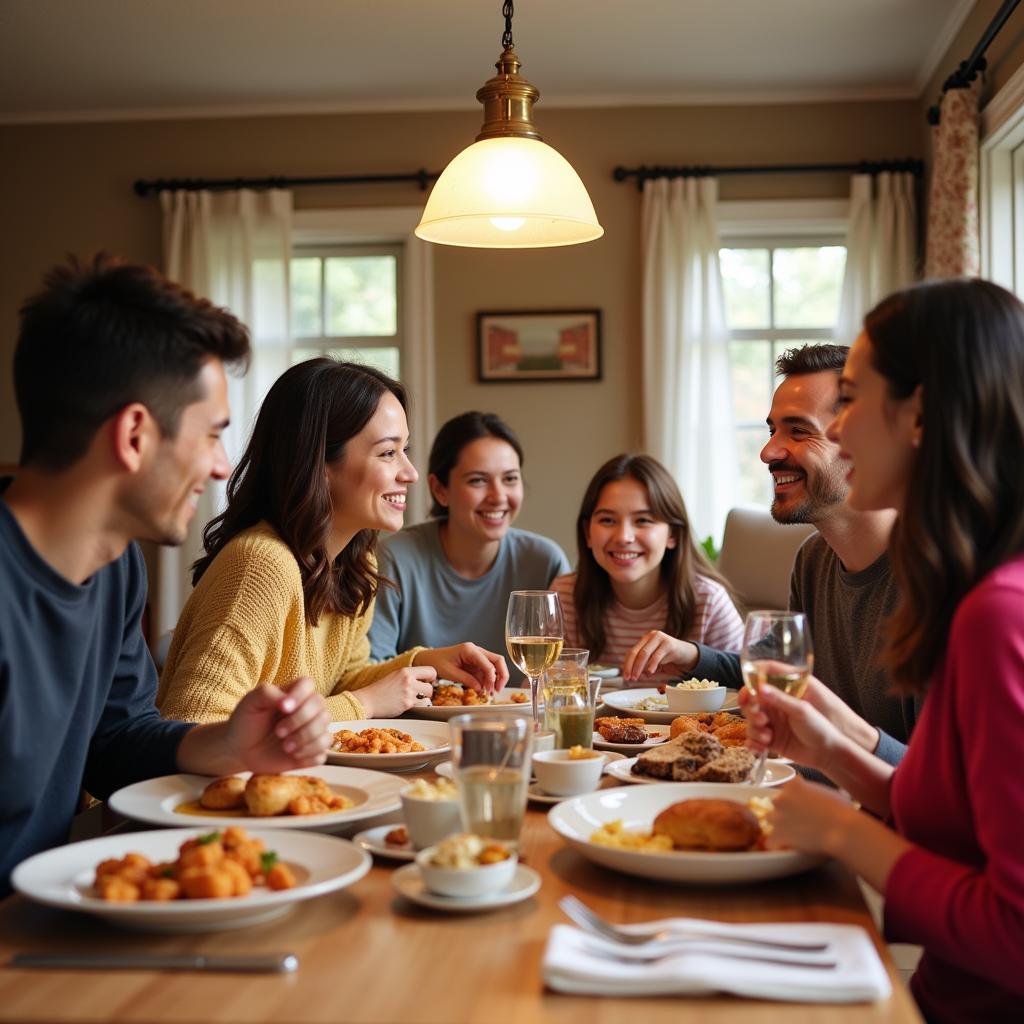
{"x": 245, "y": 623}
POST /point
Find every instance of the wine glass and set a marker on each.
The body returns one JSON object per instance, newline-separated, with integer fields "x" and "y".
{"x": 777, "y": 651}
{"x": 533, "y": 635}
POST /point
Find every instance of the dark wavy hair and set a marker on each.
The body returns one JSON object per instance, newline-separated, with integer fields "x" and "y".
{"x": 310, "y": 413}
{"x": 454, "y": 436}
{"x": 962, "y": 343}
{"x": 593, "y": 591}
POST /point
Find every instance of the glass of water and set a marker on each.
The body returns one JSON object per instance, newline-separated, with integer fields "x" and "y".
{"x": 491, "y": 760}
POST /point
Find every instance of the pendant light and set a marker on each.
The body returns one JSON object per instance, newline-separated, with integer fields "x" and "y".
{"x": 509, "y": 190}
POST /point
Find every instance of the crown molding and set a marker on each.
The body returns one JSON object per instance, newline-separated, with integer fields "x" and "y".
{"x": 943, "y": 43}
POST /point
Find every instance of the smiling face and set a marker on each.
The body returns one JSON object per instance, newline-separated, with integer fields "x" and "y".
{"x": 484, "y": 491}
{"x": 627, "y": 540}
{"x": 163, "y": 495}
{"x": 878, "y": 434}
{"x": 807, "y": 470}
{"x": 370, "y": 482}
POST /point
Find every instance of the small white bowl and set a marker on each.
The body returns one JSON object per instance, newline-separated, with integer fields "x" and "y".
{"x": 688, "y": 702}
{"x": 466, "y": 883}
{"x": 429, "y": 821}
{"x": 544, "y": 740}
{"x": 559, "y": 775}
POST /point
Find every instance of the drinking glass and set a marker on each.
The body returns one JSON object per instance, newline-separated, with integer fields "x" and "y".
{"x": 533, "y": 635}
{"x": 491, "y": 762}
{"x": 777, "y": 651}
{"x": 568, "y": 707}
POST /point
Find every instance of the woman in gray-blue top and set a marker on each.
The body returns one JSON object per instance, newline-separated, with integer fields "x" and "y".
{"x": 455, "y": 571}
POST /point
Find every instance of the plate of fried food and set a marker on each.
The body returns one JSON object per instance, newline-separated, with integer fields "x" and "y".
{"x": 450, "y": 699}
{"x": 184, "y": 880}
{"x": 322, "y": 799}
{"x": 388, "y": 744}
{"x": 652, "y": 705}
{"x": 692, "y": 832}
{"x": 627, "y": 735}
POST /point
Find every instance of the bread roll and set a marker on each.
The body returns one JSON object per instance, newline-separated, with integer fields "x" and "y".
{"x": 721, "y": 825}
{"x": 224, "y": 794}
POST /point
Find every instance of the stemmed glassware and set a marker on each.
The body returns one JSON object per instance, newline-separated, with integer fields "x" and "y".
{"x": 777, "y": 651}
{"x": 534, "y": 636}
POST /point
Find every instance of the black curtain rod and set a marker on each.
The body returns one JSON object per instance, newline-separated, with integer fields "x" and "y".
{"x": 968, "y": 70}
{"x": 644, "y": 173}
{"x": 143, "y": 188}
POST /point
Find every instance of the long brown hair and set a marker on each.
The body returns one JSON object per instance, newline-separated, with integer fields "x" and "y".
{"x": 962, "y": 343}
{"x": 593, "y": 591}
{"x": 310, "y": 413}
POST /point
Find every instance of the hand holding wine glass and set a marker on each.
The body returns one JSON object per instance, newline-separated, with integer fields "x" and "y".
{"x": 776, "y": 652}
{"x": 534, "y": 635}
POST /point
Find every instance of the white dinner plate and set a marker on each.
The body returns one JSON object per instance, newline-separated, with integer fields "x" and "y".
{"x": 657, "y": 735}
{"x": 373, "y": 841}
{"x": 408, "y": 882}
{"x": 502, "y": 702}
{"x": 63, "y": 877}
{"x": 432, "y": 735}
{"x": 775, "y": 774}
{"x": 576, "y": 820}
{"x": 155, "y": 800}
{"x": 626, "y": 701}
{"x": 604, "y": 671}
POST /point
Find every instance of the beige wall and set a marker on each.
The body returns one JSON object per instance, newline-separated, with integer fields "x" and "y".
{"x": 67, "y": 188}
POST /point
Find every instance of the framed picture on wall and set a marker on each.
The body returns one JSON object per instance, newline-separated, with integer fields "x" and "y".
{"x": 539, "y": 345}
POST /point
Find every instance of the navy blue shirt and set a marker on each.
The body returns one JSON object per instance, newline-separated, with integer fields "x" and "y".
{"x": 77, "y": 689}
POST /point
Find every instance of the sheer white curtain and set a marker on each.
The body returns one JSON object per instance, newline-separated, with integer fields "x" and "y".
{"x": 688, "y": 421}
{"x": 880, "y": 246}
{"x": 232, "y": 248}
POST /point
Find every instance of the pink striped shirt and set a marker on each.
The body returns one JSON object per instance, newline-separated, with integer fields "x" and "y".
{"x": 716, "y": 621}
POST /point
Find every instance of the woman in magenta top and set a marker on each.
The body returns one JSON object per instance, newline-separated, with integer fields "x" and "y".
{"x": 932, "y": 421}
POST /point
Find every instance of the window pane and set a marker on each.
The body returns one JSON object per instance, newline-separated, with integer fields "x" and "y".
{"x": 361, "y": 299}
{"x": 306, "y": 297}
{"x": 751, "y": 379}
{"x": 745, "y": 277}
{"x": 755, "y": 481}
{"x": 808, "y": 283}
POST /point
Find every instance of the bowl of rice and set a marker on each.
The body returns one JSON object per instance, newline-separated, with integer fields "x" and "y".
{"x": 693, "y": 696}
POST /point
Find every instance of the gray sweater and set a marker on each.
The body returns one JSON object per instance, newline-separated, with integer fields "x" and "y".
{"x": 845, "y": 611}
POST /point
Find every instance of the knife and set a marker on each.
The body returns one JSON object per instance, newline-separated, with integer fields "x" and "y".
{"x": 273, "y": 963}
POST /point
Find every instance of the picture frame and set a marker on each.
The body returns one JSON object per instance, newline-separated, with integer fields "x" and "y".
{"x": 539, "y": 345}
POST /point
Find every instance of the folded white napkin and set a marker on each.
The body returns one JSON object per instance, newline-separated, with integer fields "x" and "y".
{"x": 575, "y": 961}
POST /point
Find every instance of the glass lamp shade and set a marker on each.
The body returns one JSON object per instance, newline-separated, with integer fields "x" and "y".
{"x": 509, "y": 193}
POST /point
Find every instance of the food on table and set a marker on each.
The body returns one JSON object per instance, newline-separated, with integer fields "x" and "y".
{"x": 424, "y": 789}
{"x": 578, "y": 753}
{"x": 695, "y": 756}
{"x": 699, "y": 825}
{"x": 517, "y": 697}
{"x": 697, "y": 684}
{"x": 217, "y": 865}
{"x": 720, "y": 825}
{"x": 448, "y": 695}
{"x": 729, "y": 730}
{"x": 466, "y": 850}
{"x": 622, "y": 730}
{"x": 375, "y": 741}
{"x": 266, "y": 796}
{"x": 397, "y": 837}
{"x": 652, "y": 704}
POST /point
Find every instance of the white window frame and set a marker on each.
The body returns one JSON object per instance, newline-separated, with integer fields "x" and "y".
{"x": 1002, "y": 186}
{"x": 391, "y": 225}
{"x": 784, "y": 223}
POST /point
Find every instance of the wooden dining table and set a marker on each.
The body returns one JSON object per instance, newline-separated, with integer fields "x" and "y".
{"x": 368, "y": 956}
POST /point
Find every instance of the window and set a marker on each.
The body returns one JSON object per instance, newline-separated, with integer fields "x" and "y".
{"x": 346, "y": 304}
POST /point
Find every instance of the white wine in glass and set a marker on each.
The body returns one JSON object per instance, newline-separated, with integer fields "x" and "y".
{"x": 776, "y": 652}
{"x": 533, "y": 635}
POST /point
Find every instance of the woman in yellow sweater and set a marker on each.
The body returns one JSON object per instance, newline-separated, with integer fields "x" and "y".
{"x": 287, "y": 584}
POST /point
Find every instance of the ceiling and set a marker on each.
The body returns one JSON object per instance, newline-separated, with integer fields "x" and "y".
{"x": 110, "y": 59}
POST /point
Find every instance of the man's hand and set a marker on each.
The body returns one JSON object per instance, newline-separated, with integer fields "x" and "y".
{"x": 271, "y": 730}
{"x": 467, "y": 664}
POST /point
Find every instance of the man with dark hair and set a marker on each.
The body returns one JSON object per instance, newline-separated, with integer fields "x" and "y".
{"x": 120, "y": 383}
{"x": 842, "y": 579}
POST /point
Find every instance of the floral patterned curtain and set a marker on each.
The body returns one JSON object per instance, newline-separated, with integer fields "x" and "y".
{"x": 952, "y": 244}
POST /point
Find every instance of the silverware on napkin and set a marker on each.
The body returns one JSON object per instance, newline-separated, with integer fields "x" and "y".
{"x": 631, "y": 954}
{"x": 271, "y": 963}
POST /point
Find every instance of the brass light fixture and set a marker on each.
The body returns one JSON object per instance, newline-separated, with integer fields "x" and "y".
{"x": 509, "y": 190}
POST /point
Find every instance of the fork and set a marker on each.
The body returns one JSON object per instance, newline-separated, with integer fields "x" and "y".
{"x": 576, "y": 910}
{"x": 630, "y": 955}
